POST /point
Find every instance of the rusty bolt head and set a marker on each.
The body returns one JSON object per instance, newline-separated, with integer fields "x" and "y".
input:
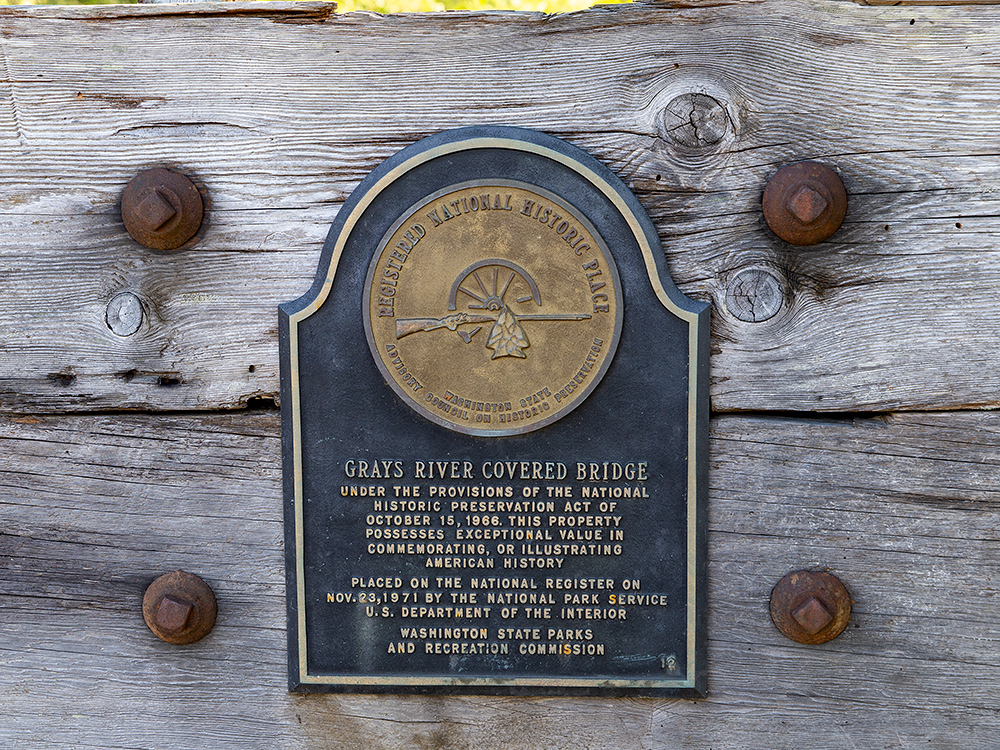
{"x": 161, "y": 209}
{"x": 179, "y": 608}
{"x": 172, "y": 615}
{"x": 812, "y": 616}
{"x": 810, "y": 607}
{"x": 805, "y": 203}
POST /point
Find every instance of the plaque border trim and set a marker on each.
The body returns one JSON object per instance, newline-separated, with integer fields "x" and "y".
{"x": 694, "y": 314}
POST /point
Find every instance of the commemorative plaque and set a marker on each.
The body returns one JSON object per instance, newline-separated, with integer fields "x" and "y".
{"x": 495, "y": 413}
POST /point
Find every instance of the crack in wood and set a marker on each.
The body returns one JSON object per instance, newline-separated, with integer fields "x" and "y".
{"x": 9, "y": 80}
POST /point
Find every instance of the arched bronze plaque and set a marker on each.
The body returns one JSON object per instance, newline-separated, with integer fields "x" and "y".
{"x": 493, "y": 307}
{"x": 494, "y": 422}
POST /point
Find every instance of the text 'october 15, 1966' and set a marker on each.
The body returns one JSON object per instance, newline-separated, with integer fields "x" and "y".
{"x": 495, "y": 542}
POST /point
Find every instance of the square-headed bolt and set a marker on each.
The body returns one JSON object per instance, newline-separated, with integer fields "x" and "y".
{"x": 179, "y": 608}
{"x": 810, "y": 606}
{"x": 172, "y": 614}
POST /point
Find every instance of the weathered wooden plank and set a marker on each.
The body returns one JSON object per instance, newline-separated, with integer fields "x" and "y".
{"x": 925, "y": 2}
{"x": 276, "y": 10}
{"x": 904, "y": 508}
{"x": 280, "y": 109}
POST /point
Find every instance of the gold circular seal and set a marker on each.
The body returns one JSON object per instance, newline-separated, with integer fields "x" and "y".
{"x": 493, "y": 307}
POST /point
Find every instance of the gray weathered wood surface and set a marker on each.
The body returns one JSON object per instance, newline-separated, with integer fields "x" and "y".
{"x": 278, "y": 110}
{"x": 903, "y": 508}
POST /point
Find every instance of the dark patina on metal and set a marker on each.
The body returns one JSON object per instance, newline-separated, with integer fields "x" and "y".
{"x": 495, "y": 412}
{"x": 805, "y": 203}
{"x": 179, "y": 608}
{"x": 161, "y": 209}
{"x": 810, "y": 607}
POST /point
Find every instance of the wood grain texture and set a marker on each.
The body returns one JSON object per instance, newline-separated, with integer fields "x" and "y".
{"x": 904, "y": 508}
{"x": 279, "y": 109}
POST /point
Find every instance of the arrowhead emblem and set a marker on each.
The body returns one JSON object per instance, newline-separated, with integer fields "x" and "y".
{"x": 507, "y": 338}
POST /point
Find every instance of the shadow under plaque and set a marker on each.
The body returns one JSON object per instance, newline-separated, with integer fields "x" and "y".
{"x": 495, "y": 432}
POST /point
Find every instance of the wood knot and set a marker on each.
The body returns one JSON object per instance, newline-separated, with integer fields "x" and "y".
{"x": 64, "y": 377}
{"x": 124, "y": 314}
{"x": 754, "y": 295}
{"x": 696, "y": 121}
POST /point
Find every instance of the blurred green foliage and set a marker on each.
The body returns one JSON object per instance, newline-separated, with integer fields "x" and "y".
{"x": 393, "y": 6}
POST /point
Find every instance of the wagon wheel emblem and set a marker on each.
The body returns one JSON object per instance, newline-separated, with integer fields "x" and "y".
{"x": 490, "y": 285}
